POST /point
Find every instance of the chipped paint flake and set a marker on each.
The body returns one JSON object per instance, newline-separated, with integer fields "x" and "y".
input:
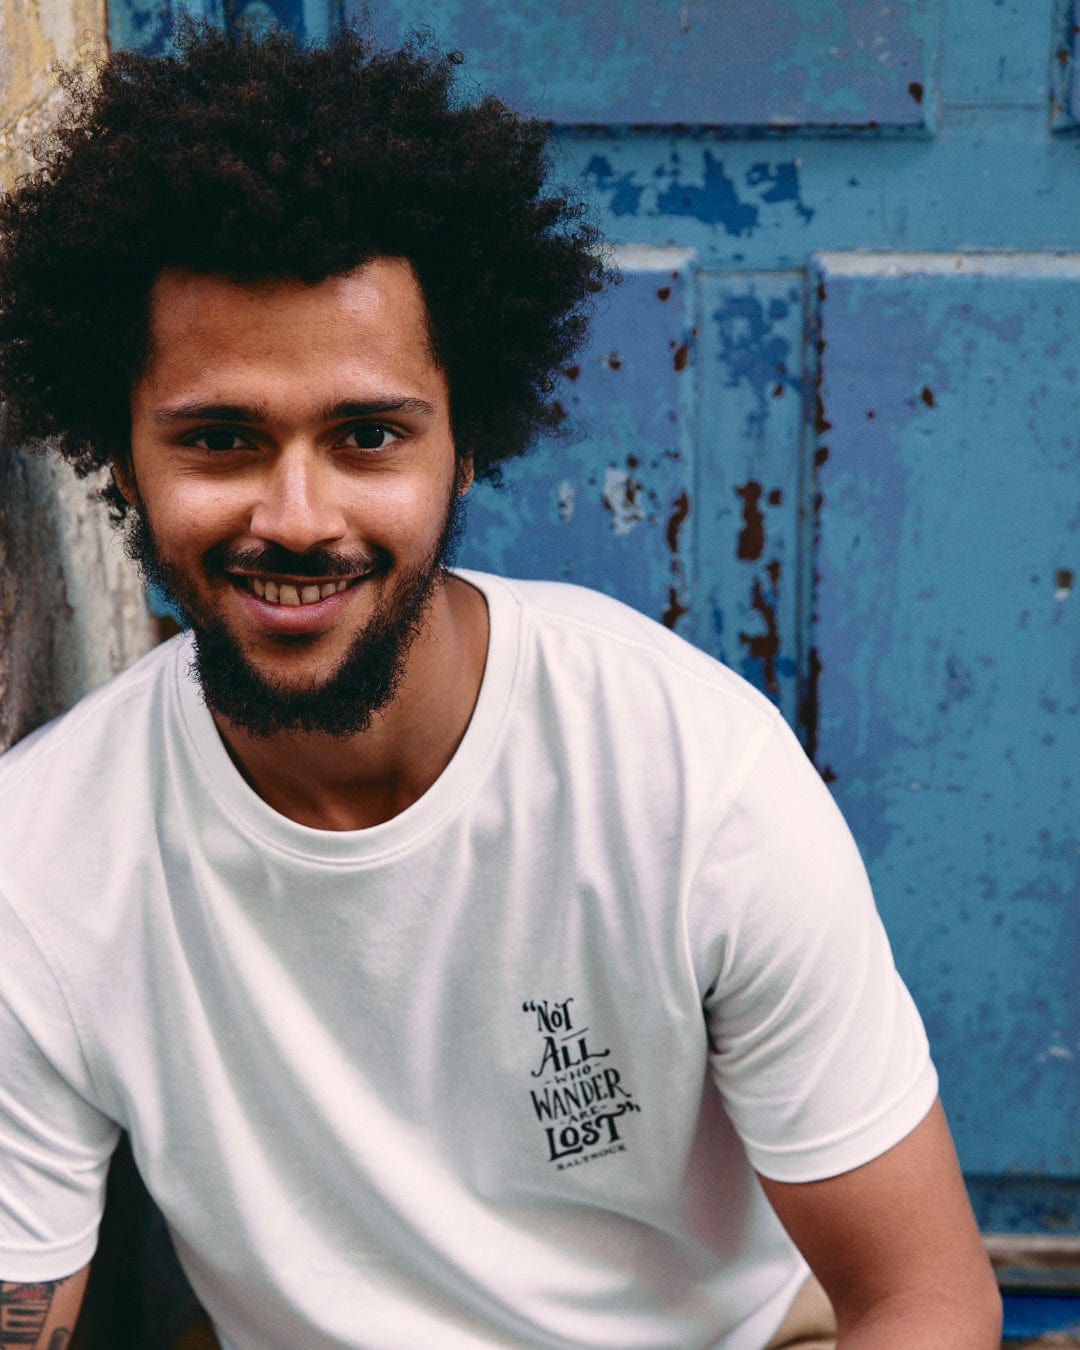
{"x": 715, "y": 202}
{"x": 781, "y": 184}
{"x": 763, "y": 647}
{"x": 675, "y": 609}
{"x": 753, "y": 353}
{"x": 567, "y": 496}
{"x": 622, "y": 497}
{"x": 625, "y": 197}
{"x": 680, "y": 510}
{"x": 752, "y": 535}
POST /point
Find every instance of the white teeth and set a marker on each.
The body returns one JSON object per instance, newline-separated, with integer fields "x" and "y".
{"x": 309, "y": 595}
{"x": 341, "y": 585}
{"x": 328, "y": 589}
{"x": 258, "y": 587}
{"x": 288, "y": 595}
{"x": 272, "y": 591}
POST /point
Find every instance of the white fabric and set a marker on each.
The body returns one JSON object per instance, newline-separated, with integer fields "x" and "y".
{"x": 347, "y": 1060}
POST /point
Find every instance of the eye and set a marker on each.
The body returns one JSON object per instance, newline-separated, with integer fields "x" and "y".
{"x": 369, "y": 436}
{"x": 218, "y": 440}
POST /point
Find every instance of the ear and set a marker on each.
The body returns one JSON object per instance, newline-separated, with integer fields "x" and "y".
{"x": 124, "y": 477}
{"x": 465, "y": 474}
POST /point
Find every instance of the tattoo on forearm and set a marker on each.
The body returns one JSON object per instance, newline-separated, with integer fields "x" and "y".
{"x": 24, "y": 1309}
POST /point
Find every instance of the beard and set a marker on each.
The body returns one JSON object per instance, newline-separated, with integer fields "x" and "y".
{"x": 366, "y": 679}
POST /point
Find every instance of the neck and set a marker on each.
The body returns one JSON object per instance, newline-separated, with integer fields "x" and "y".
{"x": 334, "y": 783}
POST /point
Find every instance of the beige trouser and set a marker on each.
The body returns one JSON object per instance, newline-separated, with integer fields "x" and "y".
{"x": 810, "y": 1323}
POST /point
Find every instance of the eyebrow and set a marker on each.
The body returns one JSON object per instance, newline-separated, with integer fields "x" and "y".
{"x": 249, "y": 413}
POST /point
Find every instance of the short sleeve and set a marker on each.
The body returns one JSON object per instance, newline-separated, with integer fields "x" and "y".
{"x": 55, "y": 1145}
{"x": 816, "y": 1047}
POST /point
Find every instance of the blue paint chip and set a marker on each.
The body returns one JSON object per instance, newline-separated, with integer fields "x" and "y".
{"x": 625, "y": 196}
{"x": 626, "y": 199}
{"x": 783, "y": 181}
{"x": 751, "y": 351}
{"x": 715, "y": 202}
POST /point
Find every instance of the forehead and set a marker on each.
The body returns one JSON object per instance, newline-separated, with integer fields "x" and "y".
{"x": 373, "y": 317}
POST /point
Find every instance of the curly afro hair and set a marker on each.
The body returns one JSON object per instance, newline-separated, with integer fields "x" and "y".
{"x": 254, "y": 158}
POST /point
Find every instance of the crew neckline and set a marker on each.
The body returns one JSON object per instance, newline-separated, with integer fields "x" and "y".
{"x": 454, "y": 788}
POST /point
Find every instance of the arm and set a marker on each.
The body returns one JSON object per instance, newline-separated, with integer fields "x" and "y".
{"x": 897, "y": 1249}
{"x": 42, "y": 1315}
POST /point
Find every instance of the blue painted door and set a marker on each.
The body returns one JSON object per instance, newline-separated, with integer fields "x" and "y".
{"x": 827, "y": 429}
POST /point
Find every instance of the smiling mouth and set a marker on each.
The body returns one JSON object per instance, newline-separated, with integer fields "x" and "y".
{"x": 289, "y": 593}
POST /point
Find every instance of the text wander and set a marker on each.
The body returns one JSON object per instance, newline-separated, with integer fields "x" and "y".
{"x": 578, "y": 1096}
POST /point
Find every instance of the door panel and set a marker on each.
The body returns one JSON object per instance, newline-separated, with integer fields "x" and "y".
{"x": 949, "y": 643}
{"x": 632, "y": 62}
{"x": 747, "y": 603}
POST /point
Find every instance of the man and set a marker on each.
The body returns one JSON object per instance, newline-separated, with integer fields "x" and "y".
{"x": 470, "y": 962}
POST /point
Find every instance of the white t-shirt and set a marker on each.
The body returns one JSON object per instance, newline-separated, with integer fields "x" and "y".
{"x": 448, "y": 1081}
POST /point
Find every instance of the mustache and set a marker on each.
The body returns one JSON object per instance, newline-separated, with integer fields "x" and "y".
{"x": 275, "y": 559}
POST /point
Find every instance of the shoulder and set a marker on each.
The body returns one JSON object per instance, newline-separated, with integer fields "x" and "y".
{"x": 576, "y": 630}
{"x": 91, "y": 751}
{"x": 613, "y": 699}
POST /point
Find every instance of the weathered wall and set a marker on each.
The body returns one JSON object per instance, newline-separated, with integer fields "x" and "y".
{"x": 71, "y": 612}
{"x": 34, "y": 34}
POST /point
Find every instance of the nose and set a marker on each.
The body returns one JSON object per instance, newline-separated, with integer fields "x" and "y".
{"x": 298, "y": 504}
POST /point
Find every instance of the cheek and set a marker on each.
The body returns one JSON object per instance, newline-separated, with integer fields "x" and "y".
{"x": 187, "y": 515}
{"x": 408, "y": 507}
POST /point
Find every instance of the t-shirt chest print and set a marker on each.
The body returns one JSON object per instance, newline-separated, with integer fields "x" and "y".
{"x": 577, "y": 1093}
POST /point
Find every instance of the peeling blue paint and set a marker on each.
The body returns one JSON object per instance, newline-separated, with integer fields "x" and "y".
{"x": 750, "y": 416}
{"x": 625, "y": 198}
{"x": 775, "y": 63}
{"x": 596, "y": 508}
{"x": 752, "y": 351}
{"x": 784, "y": 180}
{"x": 1008, "y": 327}
{"x": 946, "y": 681}
{"x": 716, "y": 201}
